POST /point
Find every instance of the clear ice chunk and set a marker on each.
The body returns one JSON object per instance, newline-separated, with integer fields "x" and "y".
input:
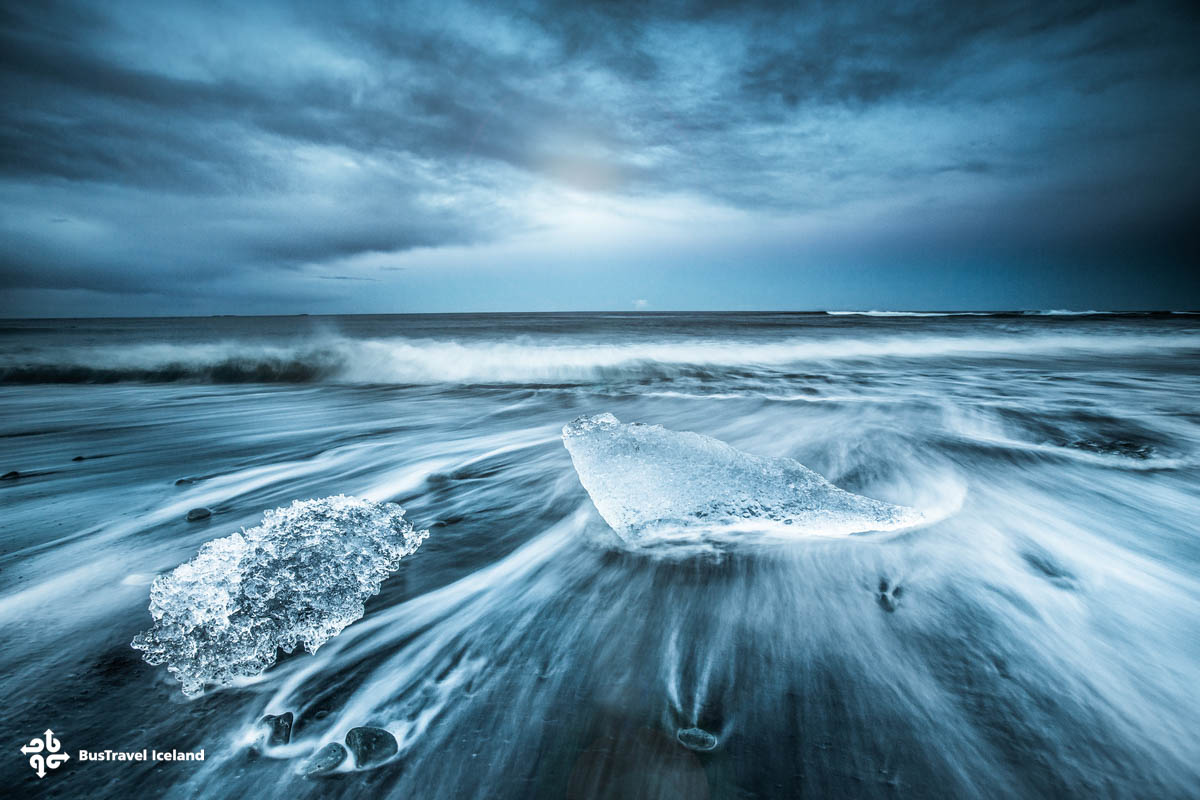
{"x": 650, "y": 483}
{"x": 298, "y": 578}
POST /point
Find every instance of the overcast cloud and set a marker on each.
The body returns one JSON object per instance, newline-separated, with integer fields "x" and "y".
{"x": 340, "y": 157}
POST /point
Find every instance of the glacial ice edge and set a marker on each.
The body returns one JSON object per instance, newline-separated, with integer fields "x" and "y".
{"x": 297, "y": 578}
{"x": 652, "y": 485}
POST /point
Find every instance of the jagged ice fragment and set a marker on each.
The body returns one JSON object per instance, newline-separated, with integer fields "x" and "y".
{"x": 648, "y": 482}
{"x": 298, "y": 578}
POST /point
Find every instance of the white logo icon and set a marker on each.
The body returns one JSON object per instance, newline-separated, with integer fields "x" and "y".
{"x": 43, "y": 753}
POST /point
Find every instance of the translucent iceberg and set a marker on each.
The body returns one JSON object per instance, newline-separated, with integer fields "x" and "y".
{"x": 650, "y": 483}
{"x": 299, "y": 578}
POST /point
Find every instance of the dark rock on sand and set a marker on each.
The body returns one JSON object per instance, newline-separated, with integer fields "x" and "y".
{"x": 888, "y": 596}
{"x": 696, "y": 739}
{"x": 197, "y": 514}
{"x": 279, "y": 727}
{"x": 325, "y": 760}
{"x": 371, "y": 746}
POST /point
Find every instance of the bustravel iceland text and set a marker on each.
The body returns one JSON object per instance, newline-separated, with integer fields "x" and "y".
{"x": 140, "y": 755}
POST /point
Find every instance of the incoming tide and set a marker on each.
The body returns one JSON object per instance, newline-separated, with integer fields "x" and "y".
{"x": 1036, "y": 634}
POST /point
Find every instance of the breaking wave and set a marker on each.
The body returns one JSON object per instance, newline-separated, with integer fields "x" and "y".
{"x": 522, "y": 361}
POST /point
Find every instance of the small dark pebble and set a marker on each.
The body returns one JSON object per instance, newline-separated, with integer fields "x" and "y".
{"x": 888, "y": 595}
{"x": 371, "y": 746}
{"x": 280, "y": 727}
{"x": 696, "y": 739}
{"x": 10, "y": 476}
{"x": 325, "y": 760}
{"x": 197, "y": 514}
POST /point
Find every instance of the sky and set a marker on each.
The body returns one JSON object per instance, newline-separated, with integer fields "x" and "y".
{"x": 167, "y": 158}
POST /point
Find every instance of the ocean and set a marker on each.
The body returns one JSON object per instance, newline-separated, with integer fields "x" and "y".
{"x": 1035, "y": 634}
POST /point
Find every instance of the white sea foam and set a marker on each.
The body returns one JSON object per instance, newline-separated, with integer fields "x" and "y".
{"x": 1065, "y": 312}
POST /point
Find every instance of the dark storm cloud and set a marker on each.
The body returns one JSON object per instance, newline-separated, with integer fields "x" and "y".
{"x": 200, "y": 148}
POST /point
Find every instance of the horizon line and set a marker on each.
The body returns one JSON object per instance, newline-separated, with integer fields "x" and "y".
{"x": 646, "y": 312}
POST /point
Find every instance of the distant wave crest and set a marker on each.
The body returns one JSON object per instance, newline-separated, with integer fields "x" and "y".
{"x": 910, "y": 313}
{"x": 1053, "y": 312}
